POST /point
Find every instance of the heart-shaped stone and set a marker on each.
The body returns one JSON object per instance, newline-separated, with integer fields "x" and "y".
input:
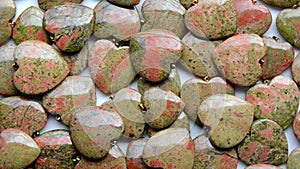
{"x": 212, "y": 19}
{"x": 167, "y": 14}
{"x": 227, "y": 119}
{"x": 279, "y": 56}
{"x": 266, "y": 143}
{"x": 252, "y": 17}
{"x": 277, "y": 101}
{"x": 115, "y": 21}
{"x": 7, "y": 13}
{"x": 126, "y": 3}
{"x": 281, "y": 3}
{"x": 41, "y": 68}
{"x": 48, "y": 4}
{"x": 110, "y": 67}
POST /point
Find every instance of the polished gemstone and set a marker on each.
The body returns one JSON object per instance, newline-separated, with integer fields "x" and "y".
{"x": 282, "y": 3}
{"x": 126, "y": 3}
{"x": 295, "y": 69}
{"x": 134, "y": 154}
{"x": 48, "y": 4}
{"x": 296, "y": 126}
{"x": 7, "y": 13}
{"x": 293, "y": 160}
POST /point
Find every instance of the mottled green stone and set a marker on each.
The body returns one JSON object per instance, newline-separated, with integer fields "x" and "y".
{"x": 57, "y": 150}
{"x": 5, "y": 31}
{"x": 294, "y": 158}
{"x": 287, "y": 23}
{"x": 73, "y": 93}
{"x": 167, "y": 14}
{"x": 134, "y": 154}
{"x": 162, "y": 107}
{"x": 126, "y": 3}
{"x": 195, "y": 91}
{"x": 114, "y": 21}
{"x": 7, "y": 60}
{"x": 266, "y": 143}
{"x": 228, "y": 119}
{"x": 70, "y": 25}
{"x": 281, "y": 3}
{"x": 7, "y": 13}
{"x": 296, "y": 126}
{"x": 197, "y": 56}
{"x": 170, "y": 148}
{"x": 212, "y": 19}
{"x": 277, "y": 101}
{"x": 295, "y": 69}
{"x": 21, "y": 113}
{"x": 48, "y": 4}
{"x": 41, "y": 68}
{"x": 17, "y": 149}
{"x": 29, "y": 26}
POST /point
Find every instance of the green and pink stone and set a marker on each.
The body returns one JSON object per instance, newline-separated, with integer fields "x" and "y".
{"x": 134, "y": 154}
{"x": 293, "y": 160}
{"x": 48, "y": 4}
{"x": 295, "y": 69}
{"x": 296, "y": 126}
{"x": 281, "y": 3}
{"x": 7, "y": 13}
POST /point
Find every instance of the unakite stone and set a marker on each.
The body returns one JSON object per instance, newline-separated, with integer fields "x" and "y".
{"x": 153, "y": 52}
{"x": 115, "y": 159}
{"x": 77, "y": 62}
{"x": 57, "y": 150}
{"x": 195, "y": 91}
{"x": 167, "y": 14}
{"x": 188, "y": 3}
{"x": 7, "y": 60}
{"x": 48, "y": 4}
{"x": 228, "y": 119}
{"x": 279, "y": 57}
{"x": 197, "y": 56}
{"x": 70, "y": 25}
{"x": 93, "y": 129}
{"x": 295, "y": 69}
{"x": 41, "y": 68}
{"x": 73, "y": 93}
{"x": 114, "y": 21}
{"x": 7, "y": 13}
{"x": 172, "y": 83}
{"x": 252, "y": 17}
{"x": 17, "y": 149}
{"x": 21, "y": 113}
{"x": 239, "y": 59}
{"x": 266, "y": 143}
{"x": 134, "y": 154}
{"x": 296, "y": 126}
{"x": 277, "y": 101}
{"x": 110, "y": 67}
{"x": 207, "y": 156}
{"x": 281, "y": 3}
{"x": 126, "y": 3}
{"x": 29, "y": 26}
{"x": 162, "y": 107}
{"x": 170, "y": 148}
{"x": 293, "y": 160}
{"x": 287, "y": 23}
{"x": 262, "y": 166}
{"x": 212, "y": 19}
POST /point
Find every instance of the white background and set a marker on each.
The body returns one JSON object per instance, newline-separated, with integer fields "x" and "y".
{"x": 195, "y": 130}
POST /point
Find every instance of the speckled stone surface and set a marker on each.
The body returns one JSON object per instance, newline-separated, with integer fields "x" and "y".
{"x": 126, "y": 3}
{"x": 41, "y": 68}
{"x": 277, "y": 101}
{"x": 172, "y": 83}
{"x": 295, "y": 69}
{"x": 228, "y": 118}
{"x": 115, "y": 159}
{"x": 153, "y": 52}
{"x": 73, "y": 93}
{"x": 71, "y": 26}
{"x": 7, "y": 87}
{"x": 252, "y": 17}
{"x": 29, "y": 26}
{"x": 134, "y": 154}
{"x": 239, "y": 59}
{"x": 262, "y": 166}
{"x": 77, "y": 62}
{"x": 212, "y": 19}
{"x": 279, "y": 57}
{"x": 281, "y": 3}
{"x": 7, "y": 12}
{"x": 48, "y": 4}
{"x": 162, "y": 107}
{"x": 21, "y": 113}
{"x": 110, "y": 67}
{"x": 294, "y": 158}
{"x": 195, "y": 91}
{"x": 197, "y": 56}
{"x": 14, "y": 145}
{"x": 206, "y": 156}
{"x": 170, "y": 148}
{"x": 266, "y": 143}
{"x": 287, "y": 23}
{"x": 93, "y": 129}
{"x": 167, "y": 14}
{"x": 187, "y": 3}
{"x": 57, "y": 150}
{"x": 296, "y": 126}
{"x": 115, "y": 21}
